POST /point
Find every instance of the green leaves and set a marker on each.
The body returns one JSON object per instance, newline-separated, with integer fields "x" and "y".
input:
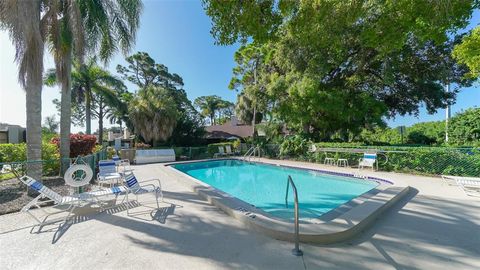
{"x": 468, "y": 52}
{"x": 211, "y": 105}
{"x": 464, "y": 128}
{"x": 154, "y": 114}
{"x": 331, "y": 68}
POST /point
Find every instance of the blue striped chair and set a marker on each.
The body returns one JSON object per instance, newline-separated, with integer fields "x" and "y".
{"x": 146, "y": 186}
{"x": 72, "y": 201}
{"x": 107, "y": 172}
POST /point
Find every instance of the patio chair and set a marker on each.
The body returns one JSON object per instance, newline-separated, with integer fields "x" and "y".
{"x": 107, "y": 172}
{"x": 228, "y": 150}
{"x": 116, "y": 159}
{"x": 71, "y": 201}
{"x": 221, "y": 152}
{"x": 134, "y": 187}
{"x": 449, "y": 180}
{"x": 368, "y": 160}
{"x": 469, "y": 185}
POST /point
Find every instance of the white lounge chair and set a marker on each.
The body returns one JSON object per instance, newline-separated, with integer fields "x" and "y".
{"x": 71, "y": 201}
{"x": 228, "y": 150}
{"x": 107, "y": 172}
{"x": 134, "y": 187}
{"x": 368, "y": 160}
{"x": 469, "y": 185}
{"x": 221, "y": 152}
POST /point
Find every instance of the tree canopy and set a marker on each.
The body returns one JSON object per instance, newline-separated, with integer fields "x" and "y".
{"x": 332, "y": 68}
{"x": 154, "y": 78}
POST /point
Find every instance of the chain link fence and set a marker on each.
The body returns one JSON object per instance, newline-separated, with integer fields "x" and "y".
{"x": 416, "y": 160}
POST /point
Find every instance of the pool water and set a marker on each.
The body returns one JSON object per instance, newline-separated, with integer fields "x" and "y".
{"x": 264, "y": 186}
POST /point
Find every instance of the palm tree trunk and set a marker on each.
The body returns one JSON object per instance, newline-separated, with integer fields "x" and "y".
{"x": 100, "y": 121}
{"x": 88, "y": 111}
{"x": 33, "y": 86}
{"x": 34, "y": 128}
{"x": 66, "y": 113}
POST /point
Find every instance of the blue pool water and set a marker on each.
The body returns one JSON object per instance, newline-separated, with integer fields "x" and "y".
{"x": 264, "y": 186}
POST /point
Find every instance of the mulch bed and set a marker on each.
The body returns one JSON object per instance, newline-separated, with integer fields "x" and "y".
{"x": 13, "y": 193}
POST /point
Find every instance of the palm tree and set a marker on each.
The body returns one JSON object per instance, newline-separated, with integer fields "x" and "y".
{"x": 99, "y": 27}
{"x": 154, "y": 114}
{"x": 22, "y": 20}
{"x": 94, "y": 86}
{"x": 208, "y": 106}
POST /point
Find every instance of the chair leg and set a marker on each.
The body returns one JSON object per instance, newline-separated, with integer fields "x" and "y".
{"x": 128, "y": 203}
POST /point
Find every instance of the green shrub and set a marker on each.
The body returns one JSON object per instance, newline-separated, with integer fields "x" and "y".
{"x": 80, "y": 144}
{"x": 418, "y": 160}
{"x": 18, "y": 152}
{"x": 294, "y": 146}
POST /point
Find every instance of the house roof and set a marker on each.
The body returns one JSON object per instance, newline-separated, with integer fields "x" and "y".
{"x": 228, "y": 130}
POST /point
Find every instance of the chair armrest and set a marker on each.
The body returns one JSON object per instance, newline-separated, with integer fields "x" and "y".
{"x": 152, "y": 180}
{"x": 143, "y": 186}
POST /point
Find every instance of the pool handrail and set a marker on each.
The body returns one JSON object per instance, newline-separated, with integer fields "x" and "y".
{"x": 296, "y": 251}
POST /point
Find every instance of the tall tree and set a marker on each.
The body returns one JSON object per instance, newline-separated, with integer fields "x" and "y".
{"x": 250, "y": 61}
{"x": 93, "y": 86}
{"x": 154, "y": 114}
{"x": 22, "y": 21}
{"x": 51, "y": 124}
{"x": 209, "y": 106}
{"x": 348, "y": 66}
{"x": 100, "y": 27}
{"x": 143, "y": 71}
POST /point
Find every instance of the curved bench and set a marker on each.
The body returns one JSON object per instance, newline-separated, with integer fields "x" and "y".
{"x": 154, "y": 155}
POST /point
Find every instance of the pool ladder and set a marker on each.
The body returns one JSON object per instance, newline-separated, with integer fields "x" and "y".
{"x": 296, "y": 251}
{"x": 254, "y": 151}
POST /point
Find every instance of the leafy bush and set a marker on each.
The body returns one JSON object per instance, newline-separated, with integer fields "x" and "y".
{"x": 420, "y": 160}
{"x": 80, "y": 144}
{"x": 294, "y": 146}
{"x": 464, "y": 128}
{"x": 18, "y": 153}
{"x": 111, "y": 152}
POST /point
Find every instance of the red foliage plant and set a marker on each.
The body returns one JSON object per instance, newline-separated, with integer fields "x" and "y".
{"x": 80, "y": 144}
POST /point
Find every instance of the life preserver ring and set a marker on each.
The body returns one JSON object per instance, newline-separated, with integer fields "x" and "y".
{"x": 78, "y": 175}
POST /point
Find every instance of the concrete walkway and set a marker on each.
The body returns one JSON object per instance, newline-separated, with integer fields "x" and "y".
{"x": 435, "y": 227}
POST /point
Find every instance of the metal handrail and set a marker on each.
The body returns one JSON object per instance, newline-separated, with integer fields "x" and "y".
{"x": 251, "y": 149}
{"x": 251, "y": 152}
{"x": 296, "y": 251}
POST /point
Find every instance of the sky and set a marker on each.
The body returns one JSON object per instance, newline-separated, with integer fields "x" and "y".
{"x": 176, "y": 34}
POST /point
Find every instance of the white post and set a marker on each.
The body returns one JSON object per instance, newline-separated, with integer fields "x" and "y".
{"x": 447, "y": 115}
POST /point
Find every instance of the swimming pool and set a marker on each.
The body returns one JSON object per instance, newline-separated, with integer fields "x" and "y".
{"x": 264, "y": 186}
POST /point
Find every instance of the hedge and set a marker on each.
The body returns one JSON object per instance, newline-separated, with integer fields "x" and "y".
{"x": 420, "y": 160}
{"x": 10, "y": 152}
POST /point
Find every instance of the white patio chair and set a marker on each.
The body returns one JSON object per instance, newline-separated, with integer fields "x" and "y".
{"x": 71, "y": 201}
{"x": 228, "y": 150}
{"x": 134, "y": 187}
{"x": 469, "y": 185}
{"x": 221, "y": 152}
{"x": 368, "y": 160}
{"x": 449, "y": 180}
{"x": 107, "y": 172}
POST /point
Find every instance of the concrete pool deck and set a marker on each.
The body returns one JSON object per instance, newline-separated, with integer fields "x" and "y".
{"x": 435, "y": 226}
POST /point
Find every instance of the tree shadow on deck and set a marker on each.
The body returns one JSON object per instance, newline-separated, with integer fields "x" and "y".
{"x": 417, "y": 232}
